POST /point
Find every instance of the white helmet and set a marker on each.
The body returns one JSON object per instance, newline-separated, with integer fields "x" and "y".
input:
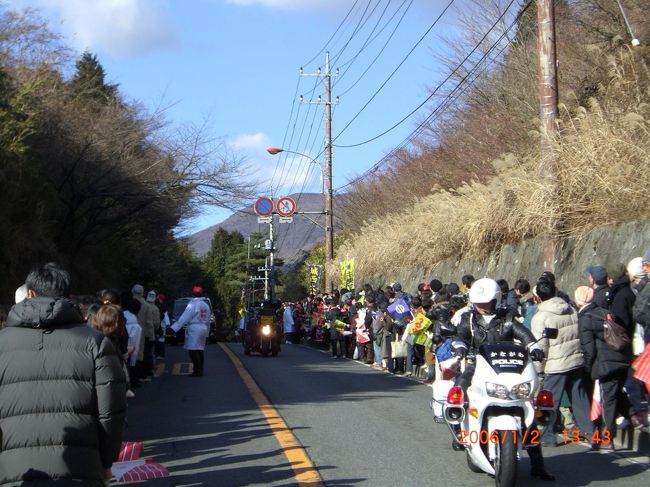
{"x": 485, "y": 290}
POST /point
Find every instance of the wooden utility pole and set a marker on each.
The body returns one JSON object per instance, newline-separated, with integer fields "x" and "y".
{"x": 548, "y": 111}
{"x": 329, "y": 223}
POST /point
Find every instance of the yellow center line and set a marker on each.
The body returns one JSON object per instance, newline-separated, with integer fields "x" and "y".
{"x": 304, "y": 470}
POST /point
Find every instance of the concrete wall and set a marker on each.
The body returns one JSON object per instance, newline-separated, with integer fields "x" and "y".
{"x": 600, "y": 246}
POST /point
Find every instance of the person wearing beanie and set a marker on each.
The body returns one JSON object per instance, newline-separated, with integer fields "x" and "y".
{"x": 636, "y": 272}
{"x": 641, "y": 308}
{"x": 21, "y": 294}
{"x": 602, "y": 363}
{"x": 597, "y": 275}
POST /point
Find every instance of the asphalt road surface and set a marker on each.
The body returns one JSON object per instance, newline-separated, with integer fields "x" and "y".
{"x": 359, "y": 427}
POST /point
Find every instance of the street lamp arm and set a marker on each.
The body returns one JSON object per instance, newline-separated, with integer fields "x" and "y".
{"x": 276, "y": 150}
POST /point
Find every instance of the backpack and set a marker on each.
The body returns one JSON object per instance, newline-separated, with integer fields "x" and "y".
{"x": 616, "y": 336}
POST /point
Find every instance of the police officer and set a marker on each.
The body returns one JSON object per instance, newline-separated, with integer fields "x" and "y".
{"x": 483, "y": 325}
{"x": 197, "y": 316}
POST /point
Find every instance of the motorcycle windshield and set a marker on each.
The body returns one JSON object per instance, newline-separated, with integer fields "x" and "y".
{"x": 505, "y": 357}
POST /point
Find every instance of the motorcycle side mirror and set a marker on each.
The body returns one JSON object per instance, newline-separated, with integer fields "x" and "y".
{"x": 550, "y": 333}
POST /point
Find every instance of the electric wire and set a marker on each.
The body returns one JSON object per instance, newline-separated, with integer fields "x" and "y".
{"x": 286, "y": 131}
{"x": 362, "y": 22}
{"x": 420, "y": 128}
{"x": 428, "y": 98}
{"x": 381, "y": 51}
{"x": 395, "y": 70}
{"x": 333, "y": 35}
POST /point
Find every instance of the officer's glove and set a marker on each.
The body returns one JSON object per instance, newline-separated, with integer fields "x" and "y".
{"x": 461, "y": 353}
{"x": 537, "y": 355}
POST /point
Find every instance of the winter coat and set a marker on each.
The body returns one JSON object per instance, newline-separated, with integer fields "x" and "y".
{"x": 563, "y": 353}
{"x": 600, "y": 360}
{"x": 287, "y": 320}
{"x": 641, "y": 308}
{"x": 196, "y": 316}
{"x": 601, "y": 295}
{"x": 621, "y": 302}
{"x": 62, "y": 397}
{"x": 146, "y": 320}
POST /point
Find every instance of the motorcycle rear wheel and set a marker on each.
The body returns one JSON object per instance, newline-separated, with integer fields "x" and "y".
{"x": 505, "y": 463}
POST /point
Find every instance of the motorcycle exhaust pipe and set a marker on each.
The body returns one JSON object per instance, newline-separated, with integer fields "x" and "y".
{"x": 454, "y": 415}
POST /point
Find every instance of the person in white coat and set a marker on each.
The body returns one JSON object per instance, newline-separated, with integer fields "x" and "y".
{"x": 289, "y": 323}
{"x": 197, "y": 317}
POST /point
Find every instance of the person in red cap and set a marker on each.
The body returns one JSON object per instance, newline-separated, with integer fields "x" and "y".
{"x": 197, "y": 317}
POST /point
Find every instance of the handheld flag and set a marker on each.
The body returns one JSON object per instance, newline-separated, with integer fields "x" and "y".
{"x": 399, "y": 309}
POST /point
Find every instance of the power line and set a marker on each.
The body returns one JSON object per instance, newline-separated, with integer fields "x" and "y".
{"x": 433, "y": 93}
{"x": 322, "y": 50}
{"x": 286, "y": 131}
{"x": 362, "y": 22}
{"x": 395, "y": 70}
{"x": 383, "y": 48}
{"x": 447, "y": 100}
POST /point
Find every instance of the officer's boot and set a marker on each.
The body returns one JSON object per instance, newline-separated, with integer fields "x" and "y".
{"x": 537, "y": 468}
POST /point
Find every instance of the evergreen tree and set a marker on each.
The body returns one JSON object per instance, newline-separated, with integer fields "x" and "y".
{"x": 90, "y": 79}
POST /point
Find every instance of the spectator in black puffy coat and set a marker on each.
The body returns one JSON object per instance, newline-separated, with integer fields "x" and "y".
{"x": 609, "y": 367}
{"x": 621, "y": 297}
{"x": 62, "y": 391}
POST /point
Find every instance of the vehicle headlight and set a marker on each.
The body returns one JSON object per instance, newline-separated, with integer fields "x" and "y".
{"x": 521, "y": 391}
{"x": 266, "y": 330}
{"x": 496, "y": 390}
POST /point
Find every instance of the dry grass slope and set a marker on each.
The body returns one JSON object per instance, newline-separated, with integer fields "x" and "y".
{"x": 603, "y": 169}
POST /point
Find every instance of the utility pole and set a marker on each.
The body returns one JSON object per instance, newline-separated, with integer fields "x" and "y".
{"x": 548, "y": 111}
{"x": 329, "y": 214}
{"x": 271, "y": 279}
{"x": 329, "y": 223}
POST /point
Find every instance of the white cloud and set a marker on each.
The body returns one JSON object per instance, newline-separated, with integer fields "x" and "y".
{"x": 121, "y": 28}
{"x": 330, "y": 5}
{"x": 251, "y": 143}
{"x": 291, "y": 173}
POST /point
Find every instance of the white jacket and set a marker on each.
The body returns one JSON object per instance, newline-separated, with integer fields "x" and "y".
{"x": 197, "y": 316}
{"x": 134, "y": 331}
{"x": 563, "y": 353}
{"x": 287, "y": 320}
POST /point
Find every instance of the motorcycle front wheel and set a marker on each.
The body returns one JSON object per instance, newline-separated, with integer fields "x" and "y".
{"x": 505, "y": 463}
{"x": 470, "y": 464}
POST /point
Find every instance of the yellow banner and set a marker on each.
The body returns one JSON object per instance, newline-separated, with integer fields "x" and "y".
{"x": 347, "y": 274}
{"x": 420, "y": 324}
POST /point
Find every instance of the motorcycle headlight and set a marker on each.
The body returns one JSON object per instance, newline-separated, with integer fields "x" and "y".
{"x": 266, "y": 330}
{"x": 521, "y": 391}
{"x": 496, "y": 390}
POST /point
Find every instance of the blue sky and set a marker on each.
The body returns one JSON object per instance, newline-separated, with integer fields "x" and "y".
{"x": 235, "y": 63}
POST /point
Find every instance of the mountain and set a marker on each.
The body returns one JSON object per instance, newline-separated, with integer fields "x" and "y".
{"x": 292, "y": 240}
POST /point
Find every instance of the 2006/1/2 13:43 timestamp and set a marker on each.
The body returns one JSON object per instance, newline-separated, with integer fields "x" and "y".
{"x": 574, "y": 437}
{"x": 483, "y": 437}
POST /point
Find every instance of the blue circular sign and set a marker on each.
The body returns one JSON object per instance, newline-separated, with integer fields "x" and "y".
{"x": 264, "y": 206}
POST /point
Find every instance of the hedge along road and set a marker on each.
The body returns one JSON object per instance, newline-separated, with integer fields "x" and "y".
{"x": 357, "y": 426}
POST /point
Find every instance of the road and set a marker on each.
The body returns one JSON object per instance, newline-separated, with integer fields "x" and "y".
{"x": 359, "y": 427}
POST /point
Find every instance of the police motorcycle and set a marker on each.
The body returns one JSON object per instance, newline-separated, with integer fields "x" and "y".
{"x": 263, "y": 332}
{"x": 497, "y": 417}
